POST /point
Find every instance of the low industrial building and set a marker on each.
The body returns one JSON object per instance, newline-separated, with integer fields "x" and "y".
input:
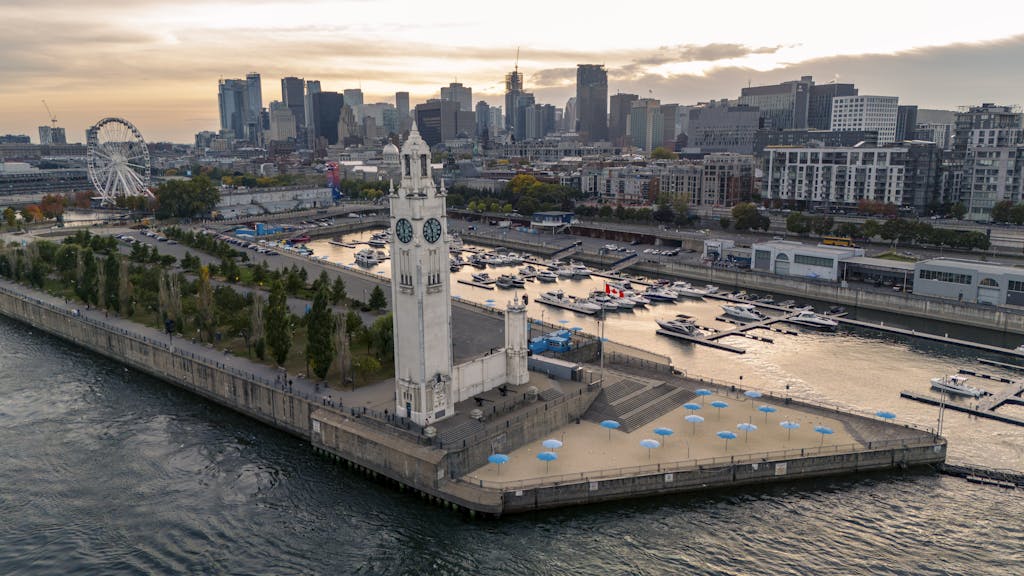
{"x": 970, "y": 281}
{"x": 553, "y": 221}
{"x": 788, "y": 258}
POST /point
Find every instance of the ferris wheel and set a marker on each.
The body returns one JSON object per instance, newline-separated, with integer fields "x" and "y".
{"x": 118, "y": 160}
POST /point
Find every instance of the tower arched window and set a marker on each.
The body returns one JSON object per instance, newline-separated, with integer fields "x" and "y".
{"x": 423, "y": 165}
{"x": 407, "y": 161}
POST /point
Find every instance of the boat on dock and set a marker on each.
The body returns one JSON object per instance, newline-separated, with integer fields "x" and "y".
{"x": 518, "y": 281}
{"x": 558, "y": 299}
{"x": 380, "y": 239}
{"x": 528, "y": 272}
{"x": 367, "y": 257}
{"x": 688, "y": 290}
{"x": 659, "y": 294}
{"x": 809, "y": 318}
{"x": 579, "y": 270}
{"x": 744, "y": 312}
{"x": 547, "y": 276}
{"x": 682, "y": 326}
{"x": 483, "y": 278}
{"x": 605, "y": 301}
{"x": 504, "y": 281}
{"x": 956, "y": 384}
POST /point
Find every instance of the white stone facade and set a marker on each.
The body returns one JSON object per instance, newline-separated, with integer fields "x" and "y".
{"x": 879, "y": 113}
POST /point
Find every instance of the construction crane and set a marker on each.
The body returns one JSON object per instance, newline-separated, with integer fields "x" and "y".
{"x": 53, "y": 119}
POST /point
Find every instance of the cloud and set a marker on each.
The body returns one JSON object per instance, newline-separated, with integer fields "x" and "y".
{"x": 702, "y": 53}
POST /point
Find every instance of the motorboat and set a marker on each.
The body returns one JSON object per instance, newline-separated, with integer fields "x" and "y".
{"x": 636, "y": 298}
{"x": 744, "y": 312}
{"x": 454, "y": 243}
{"x": 477, "y": 261}
{"x": 681, "y": 326}
{"x": 482, "y": 278}
{"x": 504, "y": 281}
{"x": 602, "y": 299}
{"x": 711, "y": 288}
{"x": 367, "y": 257}
{"x": 559, "y": 299}
{"x": 379, "y": 240}
{"x": 564, "y": 271}
{"x": 518, "y": 281}
{"x": 659, "y": 294}
{"x": 1019, "y": 349}
{"x": 528, "y": 272}
{"x": 513, "y": 258}
{"x": 956, "y": 384}
{"x": 547, "y": 276}
{"x": 688, "y": 290}
{"x": 579, "y": 270}
{"x": 809, "y": 318}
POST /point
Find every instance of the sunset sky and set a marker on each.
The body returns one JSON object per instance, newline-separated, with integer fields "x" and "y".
{"x": 157, "y": 62}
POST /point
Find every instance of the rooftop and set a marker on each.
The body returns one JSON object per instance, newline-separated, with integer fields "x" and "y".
{"x": 971, "y": 265}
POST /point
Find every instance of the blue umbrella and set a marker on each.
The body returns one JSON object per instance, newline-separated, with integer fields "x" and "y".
{"x": 563, "y": 321}
{"x": 610, "y": 425}
{"x": 788, "y": 425}
{"x": 885, "y": 414}
{"x": 703, "y": 392}
{"x": 498, "y": 459}
{"x": 552, "y": 444}
{"x": 691, "y": 406}
{"x": 650, "y": 445}
{"x": 822, "y": 430}
{"x": 720, "y": 404}
{"x": 663, "y": 432}
{"x": 727, "y": 435}
{"x": 695, "y": 420}
{"x": 767, "y": 410}
{"x": 547, "y": 457}
{"x": 753, "y": 395}
{"x": 747, "y": 428}
{"x": 489, "y": 300}
{"x": 576, "y": 329}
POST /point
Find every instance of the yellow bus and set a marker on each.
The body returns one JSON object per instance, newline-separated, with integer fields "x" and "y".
{"x": 839, "y": 241}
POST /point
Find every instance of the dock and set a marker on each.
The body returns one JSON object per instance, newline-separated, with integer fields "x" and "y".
{"x": 710, "y": 341}
{"x": 1001, "y": 364}
{"x": 927, "y": 336}
{"x": 477, "y": 284}
{"x": 989, "y": 413}
{"x": 985, "y": 376}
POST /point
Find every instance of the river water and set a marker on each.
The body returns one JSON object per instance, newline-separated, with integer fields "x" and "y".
{"x": 106, "y": 471}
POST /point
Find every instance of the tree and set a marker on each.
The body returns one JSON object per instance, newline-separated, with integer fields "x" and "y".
{"x": 365, "y": 366}
{"x": 112, "y": 278}
{"x": 746, "y": 216}
{"x": 353, "y": 322}
{"x": 377, "y": 299}
{"x": 32, "y": 213}
{"x": 10, "y": 216}
{"x": 257, "y": 327}
{"x": 87, "y": 276}
{"x": 52, "y": 205}
{"x": 663, "y": 213}
{"x": 204, "y": 303}
{"x": 338, "y": 291}
{"x": 958, "y": 211}
{"x": 797, "y": 223}
{"x": 320, "y": 333}
{"x": 1001, "y": 212}
{"x": 186, "y": 198}
{"x": 822, "y": 225}
{"x": 605, "y": 211}
{"x": 870, "y": 229}
{"x": 279, "y": 337}
{"x": 662, "y": 153}
{"x": 724, "y": 222}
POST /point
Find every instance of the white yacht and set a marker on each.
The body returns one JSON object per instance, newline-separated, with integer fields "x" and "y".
{"x": 367, "y": 257}
{"x": 564, "y": 271}
{"x": 603, "y": 300}
{"x": 528, "y": 272}
{"x": 686, "y": 289}
{"x": 518, "y": 281}
{"x": 579, "y": 270}
{"x": 379, "y": 240}
{"x": 956, "y": 384}
{"x": 681, "y": 326}
{"x": 513, "y": 258}
{"x": 744, "y": 312}
{"x": 504, "y": 281}
{"x": 638, "y": 299}
{"x": 659, "y": 294}
{"x": 559, "y": 299}
{"x": 547, "y": 276}
{"x": 809, "y": 318}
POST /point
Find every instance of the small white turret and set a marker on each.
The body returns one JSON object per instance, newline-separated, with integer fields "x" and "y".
{"x": 516, "y": 346}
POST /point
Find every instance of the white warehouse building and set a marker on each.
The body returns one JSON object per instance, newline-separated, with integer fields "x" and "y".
{"x": 788, "y": 258}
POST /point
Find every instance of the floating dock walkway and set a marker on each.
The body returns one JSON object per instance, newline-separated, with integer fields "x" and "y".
{"x": 980, "y": 412}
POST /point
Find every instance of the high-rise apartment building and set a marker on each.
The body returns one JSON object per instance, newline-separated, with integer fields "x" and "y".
{"x": 876, "y": 113}
{"x": 253, "y": 108}
{"x": 592, "y": 102}
{"x": 782, "y": 106}
{"x": 513, "y": 92}
{"x": 988, "y": 145}
{"x": 49, "y": 135}
{"x": 292, "y": 96}
{"x": 906, "y": 122}
{"x": 646, "y": 124}
{"x": 618, "y": 118}
{"x": 232, "y": 101}
{"x": 456, "y": 92}
{"x": 719, "y": 127}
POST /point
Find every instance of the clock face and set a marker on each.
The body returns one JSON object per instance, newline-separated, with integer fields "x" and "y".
{"x": 432, "y": 230}
{"x": 403, "y": 229}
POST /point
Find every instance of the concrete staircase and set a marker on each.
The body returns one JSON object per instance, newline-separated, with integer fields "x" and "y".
{"x": 454, "y": 435}
{"x": 634, "y": 404}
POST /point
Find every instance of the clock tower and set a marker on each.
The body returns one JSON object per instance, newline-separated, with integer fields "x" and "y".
{"x": 420, "y": 289}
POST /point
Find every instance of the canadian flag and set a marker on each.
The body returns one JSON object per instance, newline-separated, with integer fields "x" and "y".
{"x": 613, "y": 291}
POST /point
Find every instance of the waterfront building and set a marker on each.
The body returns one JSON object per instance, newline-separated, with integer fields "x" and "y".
{"x": 719, "y": 127}
{"x": 874, "y": 113}
{"x": 19, "y": 178}
{"x": 788, "y": 258}
{"x": 969, "y": 281}
{"x": 618, "y": 118}
{"x": 456, "y": 92}
{"x": 15, "y": 139}
{"x": 592, "y": 102}
{"x": 988, "y": 144}
{"x": 904, "y": 175}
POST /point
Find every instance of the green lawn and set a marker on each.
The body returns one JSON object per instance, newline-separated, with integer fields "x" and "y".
{"x": 896, "y": 257}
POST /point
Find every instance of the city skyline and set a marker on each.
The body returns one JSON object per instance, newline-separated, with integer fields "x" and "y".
{"x": 158, "y": 64}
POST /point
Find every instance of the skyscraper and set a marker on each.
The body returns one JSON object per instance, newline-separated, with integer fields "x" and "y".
{"x": 232, "y": 101}
{"x": 456, "y": 92}
{"x": 513, "y": 90}
{"x": 439, "y": 121}
{"x": 906, "y": 122}
{"x": 783, "y": 106}
{"x": 325, "y": 111}
{"x": 646, "y": 124}
{"x": 592, "y": 102}
{"x": 483, "y": 117}
{"x": 618, "y": 119}
{"x": 353, "y": 96}
{"x": 819, "y": 110}
{"x": 312, "y": 87}
{"x": 253, "y": 108}
{"x": 282, "y": 123}
{"x": 52, "y": 135}
{"x": 292, "y": 97}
